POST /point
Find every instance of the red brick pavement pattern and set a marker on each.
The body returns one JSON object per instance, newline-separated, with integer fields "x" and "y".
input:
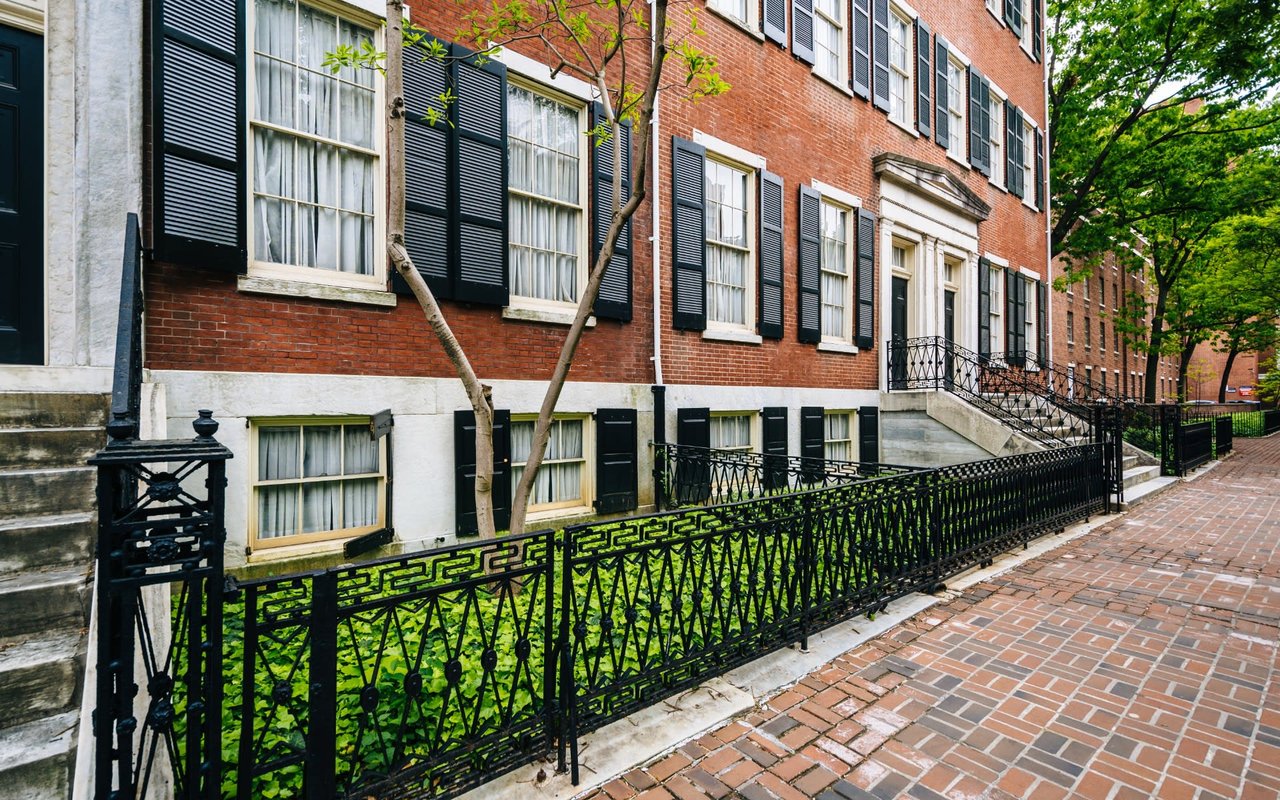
{"x": 1140, "y": 661}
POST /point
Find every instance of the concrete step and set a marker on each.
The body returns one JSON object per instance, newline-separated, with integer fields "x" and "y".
{"x": 1136, "y": 475}
{"x": 25, "y": 448}
{"x": 1143, "y": 492}
{"x": 36, "y": 759}
{"x": 32, "y": 543}
{"x": 1130, "y": 461}
{"x": 39, "y": 676}
{"x": 53, "y": 410}
{"x": 36, "y": 492}
{"x": 44, "y": 602}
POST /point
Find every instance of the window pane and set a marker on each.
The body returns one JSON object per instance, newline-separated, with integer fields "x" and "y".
{"x": 731, "y": 432}
{"x": 277, "y": 511}
{"x": 320, "y": 506}
{"x": 321, "y": 451}
{"x": 278, "y": 453}
{"x": 360, "y": 450}
{"x": 360, "y": 503}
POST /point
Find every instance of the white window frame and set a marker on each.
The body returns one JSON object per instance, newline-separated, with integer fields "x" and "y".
{"x": 748, "y": 324}
{"x": 820, "y": 16}
{"x": 294, "y": 272}
{"x": 846, "y": 336}
{"x": 584, "y": 191}
{"x": 899, "y": 17}
{"x": 996, "y": 308}
{"x": 1088, "y": 333}
{"x": 289, "y": 540}
{"x": 1031, "y": 311}
{"x": 586, "y": 492}
{"x": 851, "y": 442}
{"x": 996, "y": 139}
{"x": 1071, "y": 328}
{"x": 1025, "y": 38}
{"x": 753, "y": 430}
{"x": 752, "y": 20}
{"x": 1029, "y": 133}
{"x": 957, "y": 118}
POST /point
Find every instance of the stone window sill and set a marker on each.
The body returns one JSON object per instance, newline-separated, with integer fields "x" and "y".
{"x": 740, "y": 337}
{"x": 253, "y": 284}
{"x": 838, "y": 347}
{"x": 544, "y": 315}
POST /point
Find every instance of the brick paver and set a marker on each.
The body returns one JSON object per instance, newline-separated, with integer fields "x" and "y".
{"x": 1139, "y": 661}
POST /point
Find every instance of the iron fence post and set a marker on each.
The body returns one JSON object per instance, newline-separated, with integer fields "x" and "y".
{"x": 808, "y": 563}
{"x": 321, "y": 763}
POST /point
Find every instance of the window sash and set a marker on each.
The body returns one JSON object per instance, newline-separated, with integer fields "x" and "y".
{"x": 828, "y": 38}
{"x": 837, "y": 439}
{"x": 836, "y": 274}
{"x": 729, "y": 242}
{"x": 731, "y": 432}
{"x": 562, "y": 480}
{"x": 899, "y": 69}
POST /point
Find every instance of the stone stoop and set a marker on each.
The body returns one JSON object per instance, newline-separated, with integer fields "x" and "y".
{"x": 47, "y": 530}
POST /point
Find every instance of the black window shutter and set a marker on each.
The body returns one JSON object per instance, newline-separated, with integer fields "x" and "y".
{"x": 984, "y": 102}
{"x": 693, "y": 473}
{"x": 429, "y": 222}
{"x": 860, "y": 31}
{"x": 481, "y": 179}
{"x": 464, "y": 464}
{"x": 1013, "y": 16}
{"x": 770, "y": 255}
{"x": 802, "y": 30}
{"x": 812, "y": 449}
{"x": 614, "y": 300}
{"x": 984, "y": 308}
{"x": 1037, "y": 29}
{"x": 941, "y": 58}
{"x": 198, "y": 119}
{"x": 975, "y": 121}
{"x": 1010, "y": 314}
{"x": 924, "y": 111}
{"x": 773, "y": 444}
{"x": 616, "y": 465}
{"x": 880, "y": 54}
{"x": 1042, "y": 321}
{"x": 864, "y": 323}
{"x": 869, "y": 435}
{"x": 1012, "y": 167}
{"x": 1020, "y": 153}
{"x": 775, "y": 21}
{"x": 810, "y": 270}
{"x": 1039, "y": 192}
{"x": 688, "y": 235}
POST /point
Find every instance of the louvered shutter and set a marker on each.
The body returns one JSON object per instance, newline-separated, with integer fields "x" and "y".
{"x": 693, "y": 473}
{"x": 1039, "y": 192}
{"x": 1037, "y": 29}
{"x": 924, "y": 110}
{"x": 481, "y": 190}
{"x": 775, "y": 21}
{"x": 802, "y": 30}
{"x": 1011, "y": 315}
{"x": 770, "y": 255}
{"x": 773, "y": 444}
{"x": 860, "y": 32}
{"x": 941, "y": 58}
{"x": 810, "y": 266}
{"x": 864, "y": 324}
{"x": 198, "y": 123}
{"x": 1042, "y": 322}
{"x": 688, "y": 235}
{"x": 812, "y": 449}
{"x": 880, "y": 54}
{"x": 1013, "y": 16}
{"x": 614, "y": 300}
{"x": 1019, "y": 154}
{"x": 428, "y": 222}
{"x": 985, "y": 132}
{"x": 984, "y": 308}
{"x": 464, "y": 463}
{"x": 975, "y": 120}
{"x": 616, "y": 464}
{"x": 869, "y": 437}
{"x": 1012, "y": 168}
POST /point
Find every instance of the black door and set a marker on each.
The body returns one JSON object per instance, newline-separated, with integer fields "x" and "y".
{"x": 898, "y": 333}
{"x": 949, "y": 334}
{"x": 21, "y": 197}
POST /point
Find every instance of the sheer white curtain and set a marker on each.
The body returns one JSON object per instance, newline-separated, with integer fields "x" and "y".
{"x": 321, "y": 457}
{"x": 360, "y": 497}
{"x": 556, "y": 482}
{"x": 543, "y": 165}
{"x": 835, "y": 270}
{"x": 278, "y": 459}
{"x": 727, "y": 266}
{"x": 837, "y": 437}
{"x": 325, "y": 452}
{"x": 313, "y": 201}
{"x": 731, "y": 433}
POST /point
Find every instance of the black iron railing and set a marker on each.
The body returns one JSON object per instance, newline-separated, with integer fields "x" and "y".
{"x": 686, "y": 476}
{"x": 1223, "y": 436}
{"x": 1027, "y": 399}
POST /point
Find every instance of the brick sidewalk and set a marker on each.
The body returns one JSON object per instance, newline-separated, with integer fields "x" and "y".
{"x": 1140, "y": 661}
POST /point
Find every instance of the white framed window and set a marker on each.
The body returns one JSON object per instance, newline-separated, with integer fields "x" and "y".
{"x": 1028, "y": 162}
{"x": 1029, "y": 342}
{"x": 996, "y": 140}
{"x": 901, "y": 95}
{"x": 837, "y": 436}
{"x": 315, "y": 479}
{"x": 730, "y": 245}
{"x": 563, "y": 481}
{"x": 997, "y": 309}
{"x": 957, "y": 80}
{"x": 743, "y": 11}
{"x": 1025, "y": 38}
{"x": 837, "y": 273}
{"x": 898, "y": 256}
{"x": 829, "y": 39}
{"x": 732, "y": 430}
{"x": 1088, "y": 334}
{"x": 1071, "y": 327}
{"x": 546, "y": 185}
{"x": 315, "y": 141}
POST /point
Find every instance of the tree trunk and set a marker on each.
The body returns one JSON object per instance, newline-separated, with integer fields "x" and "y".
{"x": 1226, "y": 373}
{"x": 1184, "y": 367}
{"x": 1153, "y": 353}
{"x": 479, "y": 394}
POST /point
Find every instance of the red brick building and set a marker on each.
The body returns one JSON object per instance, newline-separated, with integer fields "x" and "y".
{"x": 876, "y": 170}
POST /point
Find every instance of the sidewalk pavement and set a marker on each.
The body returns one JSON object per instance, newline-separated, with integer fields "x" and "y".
{"x": 1139, "y": 661}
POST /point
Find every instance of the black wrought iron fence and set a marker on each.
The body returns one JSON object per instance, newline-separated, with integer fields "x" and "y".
{"x": 687, "y": 476}
{"x": 1223, "y": 436}
{"x": 1194, "y": 445}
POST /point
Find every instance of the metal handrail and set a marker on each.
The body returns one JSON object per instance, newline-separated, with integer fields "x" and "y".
{"x": 126, "y": 383}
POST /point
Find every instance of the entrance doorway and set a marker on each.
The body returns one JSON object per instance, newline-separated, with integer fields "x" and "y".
{"x": 21, "y": 197}
{"x": 949, "y": 334}
{"x": 898, "y": 332}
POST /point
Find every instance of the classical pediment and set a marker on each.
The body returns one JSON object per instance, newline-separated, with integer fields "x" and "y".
{"x": 932, "y": 182}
